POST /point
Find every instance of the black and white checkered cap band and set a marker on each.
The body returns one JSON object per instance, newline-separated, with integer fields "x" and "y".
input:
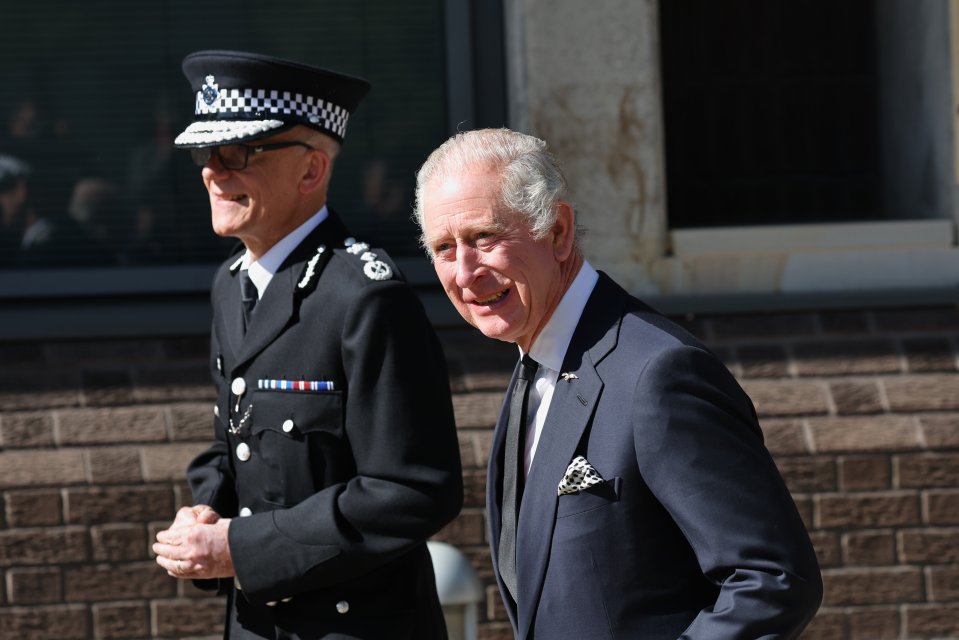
{"x": 262, "y": 103}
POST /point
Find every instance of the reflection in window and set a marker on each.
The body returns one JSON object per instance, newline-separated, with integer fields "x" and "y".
{"x": 91, "y": 102}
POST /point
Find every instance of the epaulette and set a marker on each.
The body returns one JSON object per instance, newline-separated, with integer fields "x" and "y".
{"x": 373, "y": 268}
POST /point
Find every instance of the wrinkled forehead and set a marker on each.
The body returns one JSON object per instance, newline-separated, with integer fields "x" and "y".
{"x": 466, "y": 224}
{"x": 462, "y": 190}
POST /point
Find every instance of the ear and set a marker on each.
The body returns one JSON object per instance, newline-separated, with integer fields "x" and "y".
{"x": 564, "y": 231}
{"x": 316, "y": 171}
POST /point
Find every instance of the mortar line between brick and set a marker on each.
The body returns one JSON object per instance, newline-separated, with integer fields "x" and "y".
{"x": 920, "y": 433}
{"x": 55, "y": 418}
{"x": 883, "y": 395}
{"x": 903, "y": 626}
{"x": 831, "y": 407}
{"x": 807, "y": 436}
{"x": 901, "y": 353}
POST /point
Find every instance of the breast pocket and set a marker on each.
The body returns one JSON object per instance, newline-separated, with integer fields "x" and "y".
{"x": 299, "y": 438}
{"x": 595, "y": 497}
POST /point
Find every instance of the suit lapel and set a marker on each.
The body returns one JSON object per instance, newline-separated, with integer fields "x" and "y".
{"x": 494, "y": 491}
{"x": 570, "y": 412}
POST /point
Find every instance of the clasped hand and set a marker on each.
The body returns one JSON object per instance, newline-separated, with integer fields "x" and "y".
{"x": 195, "y": 546}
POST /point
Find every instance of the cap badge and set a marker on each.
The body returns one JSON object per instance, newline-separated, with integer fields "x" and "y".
{"x": 210, "y": 90}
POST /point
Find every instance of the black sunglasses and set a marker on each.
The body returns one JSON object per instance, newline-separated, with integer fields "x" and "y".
{"x": 235, "y": 156}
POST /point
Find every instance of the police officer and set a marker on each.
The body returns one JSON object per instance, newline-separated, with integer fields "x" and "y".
{"x": 335, "y": 454}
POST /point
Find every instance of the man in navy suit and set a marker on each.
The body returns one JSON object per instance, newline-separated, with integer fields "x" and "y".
{"x": 637, "y": 500}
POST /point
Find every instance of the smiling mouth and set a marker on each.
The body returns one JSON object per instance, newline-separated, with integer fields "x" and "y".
{"x": 496, "y": 297}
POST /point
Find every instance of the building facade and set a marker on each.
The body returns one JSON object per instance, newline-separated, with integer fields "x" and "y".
{"x": 779, "y": 179}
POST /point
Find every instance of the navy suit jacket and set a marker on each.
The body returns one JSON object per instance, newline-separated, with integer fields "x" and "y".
{"x": 693, "y": 534}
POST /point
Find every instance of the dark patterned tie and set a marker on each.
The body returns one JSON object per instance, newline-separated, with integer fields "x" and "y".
{"x": 513, "y": 472}
{"x": 248, "y": 295}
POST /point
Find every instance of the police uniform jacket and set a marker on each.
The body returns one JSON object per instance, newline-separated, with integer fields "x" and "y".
{"x": 334, "y": 486}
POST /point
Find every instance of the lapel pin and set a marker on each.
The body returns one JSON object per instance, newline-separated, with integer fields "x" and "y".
{"x": 569, "y": 377}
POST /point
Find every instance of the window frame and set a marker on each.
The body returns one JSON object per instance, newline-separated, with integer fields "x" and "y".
{"x": 913, "y": 259}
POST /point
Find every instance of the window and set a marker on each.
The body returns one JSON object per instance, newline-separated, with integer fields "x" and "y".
{"x": 809, "y": 151}
{"x": 92, "y": 99}
{"x": 93, "y": 96}
{"x": 771, "y": 112}
{"x": 785, "y": 112}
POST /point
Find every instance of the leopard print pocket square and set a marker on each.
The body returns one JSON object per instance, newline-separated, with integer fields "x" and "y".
{"x": 580, "y": 475}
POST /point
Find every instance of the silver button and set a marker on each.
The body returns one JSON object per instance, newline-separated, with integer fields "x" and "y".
{"x": 286, "y": 599}
{"x": 238, "y": 386}
{"x": 243, "y": 451}
{"x": 288, "y": 425}
{"x": 216, "y": 410}
{"x": 272, "y": 603}
{"x": 342, "y": 606}
{"x": 246, "y": 511}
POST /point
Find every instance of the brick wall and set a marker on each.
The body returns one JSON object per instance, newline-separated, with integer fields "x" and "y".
{"x": 860, "y": 410}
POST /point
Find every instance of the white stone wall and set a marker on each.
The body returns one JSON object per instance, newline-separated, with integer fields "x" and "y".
{"x": 584, "y": 76}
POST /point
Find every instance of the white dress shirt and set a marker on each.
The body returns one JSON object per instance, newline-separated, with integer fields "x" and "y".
{"x": 549, "y": 350}
{"x": 263, "y": 270}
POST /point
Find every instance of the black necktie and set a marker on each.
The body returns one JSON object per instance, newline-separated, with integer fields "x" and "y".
{"x": 248, "y": 296}
{"x": 513, "y": 472}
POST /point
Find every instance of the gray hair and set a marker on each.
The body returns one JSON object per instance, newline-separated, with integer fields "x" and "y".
{"x": 532, "y": 181}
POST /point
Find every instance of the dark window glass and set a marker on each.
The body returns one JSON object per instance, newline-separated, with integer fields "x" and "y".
{"x": 92, "y": 97}
{"x": 770, "y": 111}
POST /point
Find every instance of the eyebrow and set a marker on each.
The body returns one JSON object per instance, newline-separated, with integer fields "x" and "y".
{"x": 429, "y": 241}
{"x": 495, "y": 226}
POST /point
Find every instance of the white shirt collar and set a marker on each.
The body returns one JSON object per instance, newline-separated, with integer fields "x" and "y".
{"x": 263, "y": 270}
{"x": 549, "y": 349}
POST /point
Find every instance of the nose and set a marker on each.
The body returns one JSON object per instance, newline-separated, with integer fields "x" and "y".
{"x": 468, "y": 266}
{"x": 213, "y": 167}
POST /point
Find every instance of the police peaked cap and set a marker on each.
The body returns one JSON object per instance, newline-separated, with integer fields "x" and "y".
{"x": 245, "y": 96}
